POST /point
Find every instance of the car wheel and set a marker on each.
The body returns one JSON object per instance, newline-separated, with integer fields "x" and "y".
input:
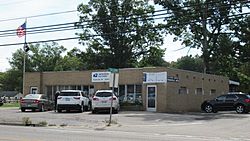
{"x": 42, "y": 108}
{"x": 89, "y": 107}
{"x": 94, "y": 112}
{"x": 22, "y": 109}
{"x": 81, "y": 108}
{"x": 59, "y": 110}
{"x": 240, "y": 109}
{"x": 116, "y": 111}
{"x": 208, "y": 108}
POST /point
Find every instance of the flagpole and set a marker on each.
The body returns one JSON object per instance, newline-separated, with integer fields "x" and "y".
{"x": 24, "y": 57}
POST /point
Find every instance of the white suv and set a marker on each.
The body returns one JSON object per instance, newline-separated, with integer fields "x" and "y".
{"x": 102, "y": 101}
{"x": 72, "y": 100}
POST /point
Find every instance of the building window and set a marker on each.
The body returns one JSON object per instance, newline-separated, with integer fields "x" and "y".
{"x": 33, "y": 90}
{"x": 49, "y": 90}
{"x": 73, "y": 87}
{"x": 212, "y": 91}
{"x": 198, "y": 91}
{"x": 183, "y": 90}
{"x": 122, "y": 97}
{"x": 130, "y": 94}
{"x": 138, "y": 94}
{"x": 79, "y": 87}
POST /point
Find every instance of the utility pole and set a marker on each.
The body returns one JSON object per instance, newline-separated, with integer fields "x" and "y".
{"x": 204, "y": 30}
{"x": 25, "y": 47}
{"x": 205, "y": 45}
{"x": 114, "y": 73}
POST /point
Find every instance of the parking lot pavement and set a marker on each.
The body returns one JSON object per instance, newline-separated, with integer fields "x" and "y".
{"x": 221, "y": 124}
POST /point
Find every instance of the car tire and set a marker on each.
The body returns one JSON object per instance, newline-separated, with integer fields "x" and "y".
{"x": 42, "y": 108}
{"x": 208, "y": 108}
{"x": 116, "y": 111}
{"x": 240, "y": 109}
{"x": 59, "y": 110}
{"x": 22, "y": 109}
{"x": 88, "y": 108}
{"x": 82, "y": 108}
{"x": 94, "y": 111}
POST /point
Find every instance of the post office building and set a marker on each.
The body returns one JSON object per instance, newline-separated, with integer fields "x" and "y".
{"x": 157, "y": 89}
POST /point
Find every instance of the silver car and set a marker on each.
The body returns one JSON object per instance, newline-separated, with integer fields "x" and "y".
{"x": 36, "y": 102}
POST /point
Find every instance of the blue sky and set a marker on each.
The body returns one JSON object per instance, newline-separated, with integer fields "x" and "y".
{"x": 24, "y": 8}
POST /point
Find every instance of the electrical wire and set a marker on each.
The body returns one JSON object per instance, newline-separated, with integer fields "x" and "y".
{"x": 71, "y": 25}
{"x": 55, "y": 29}
{"x": 73, "y": 38}
{"x": 35, "y": 16}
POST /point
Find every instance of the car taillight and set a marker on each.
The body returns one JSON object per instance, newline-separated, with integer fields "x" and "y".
{"x": 76, "y": 97}
{"x": 59, "y": 97}
{"x": 247, "y": 100}
{"x": 22, "y": 101}
{"x": 36, "y": 101}
{"x": 114, "y": 98}
{"x": 95, "y": 99}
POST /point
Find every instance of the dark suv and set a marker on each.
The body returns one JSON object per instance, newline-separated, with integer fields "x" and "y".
{"x": 238, "y": 102}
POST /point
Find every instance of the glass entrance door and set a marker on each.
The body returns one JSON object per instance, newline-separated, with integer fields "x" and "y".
{"x": 151, "y": 97}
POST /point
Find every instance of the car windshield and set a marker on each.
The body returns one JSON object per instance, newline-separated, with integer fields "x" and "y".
{"x": 69, "y": 94}
{"x": 104, "y": 94}
{"x": 32, "y": 96}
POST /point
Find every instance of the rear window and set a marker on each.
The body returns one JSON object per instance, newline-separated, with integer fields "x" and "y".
{"x": 69, "y": 94}
{"x": 103, "y": 94}
{"x": 243, "y": 96}
{"x": 32, "y": 96}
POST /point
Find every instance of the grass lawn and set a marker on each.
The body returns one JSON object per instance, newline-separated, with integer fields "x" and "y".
{"x": 14, "y": 104}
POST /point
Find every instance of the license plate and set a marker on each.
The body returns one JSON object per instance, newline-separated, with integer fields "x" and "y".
{"x": 104, "y": 101}
{"x": 67, "y": 99}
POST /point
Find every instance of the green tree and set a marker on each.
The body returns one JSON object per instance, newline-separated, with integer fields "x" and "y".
{"x": 153, "y": 58}
{"x": 189, "y": 63}
{"x": 46, "y": 57}
{"x": 242, "y": 54}
{"x": 11, "y": 80}
{"x": 118, "y": 32}
{"x": 1, "y": 80}
{"x": 198, "y": 23}
{"x": 41, "y": 57}
{"x": 71, "y": 61}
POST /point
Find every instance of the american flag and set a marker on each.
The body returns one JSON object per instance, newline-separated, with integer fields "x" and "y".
{"x": 21, "y": 30}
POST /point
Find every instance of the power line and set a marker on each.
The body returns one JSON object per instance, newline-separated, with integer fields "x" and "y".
{"x": 71, "y": 25}
{"x": 42, "y": 15}
{"x": 55, "y": 29}
{"x": 72, "y": 38}
{"x": 10, "y": 3}
{"x": 70, "y": 11}
{"x": 42, "y": 41}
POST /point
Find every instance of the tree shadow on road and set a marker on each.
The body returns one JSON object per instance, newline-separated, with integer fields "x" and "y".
{"x": 187, "y": 117}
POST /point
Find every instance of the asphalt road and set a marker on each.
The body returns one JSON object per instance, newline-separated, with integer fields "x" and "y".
{"x": 128, "y": 126}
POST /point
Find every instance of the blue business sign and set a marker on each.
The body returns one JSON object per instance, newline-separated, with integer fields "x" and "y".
{"x": 100, "y": 76}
